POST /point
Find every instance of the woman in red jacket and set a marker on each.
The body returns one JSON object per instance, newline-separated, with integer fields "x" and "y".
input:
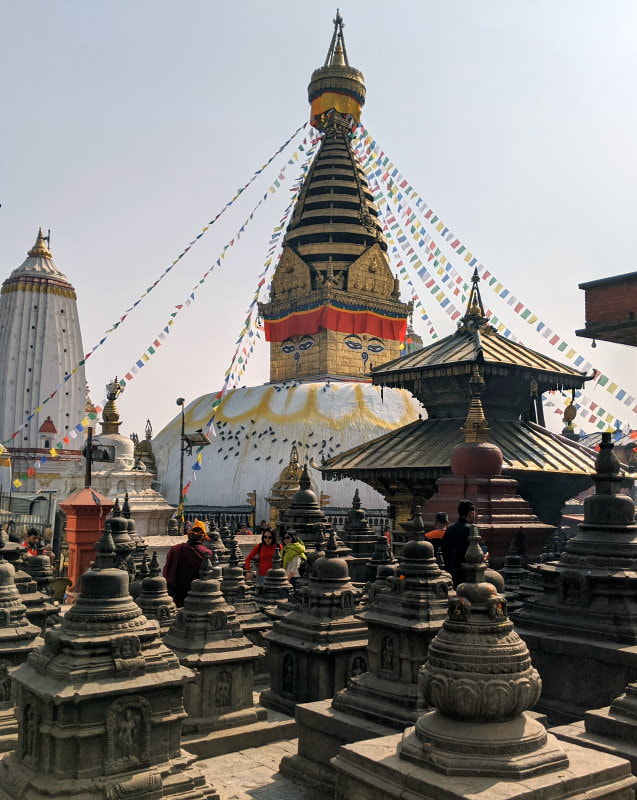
{"x": 264, "y": 551}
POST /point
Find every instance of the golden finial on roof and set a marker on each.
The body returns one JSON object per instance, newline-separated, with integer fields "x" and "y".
{"x": 110, "y": 414}
{"x": 474, "y": 316}
{"x": 476, "y": 428}
{"x": 40, "y": 248}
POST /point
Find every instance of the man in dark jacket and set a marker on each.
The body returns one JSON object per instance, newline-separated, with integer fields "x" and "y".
{"x": 183, "y": 562}
{"x": 456, "y": 541}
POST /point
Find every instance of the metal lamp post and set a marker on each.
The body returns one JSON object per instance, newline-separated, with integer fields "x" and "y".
{"x": 180, "y": 509}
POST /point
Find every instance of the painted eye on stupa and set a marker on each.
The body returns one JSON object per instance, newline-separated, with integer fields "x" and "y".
{"x": 375, "y": 345}
{"x": 288, "y": 346}
{"x": 306, "y": 342}
{"x": 354, "y": 342}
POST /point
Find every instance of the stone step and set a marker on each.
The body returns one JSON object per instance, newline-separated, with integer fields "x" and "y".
{"x": 217, "y": 743}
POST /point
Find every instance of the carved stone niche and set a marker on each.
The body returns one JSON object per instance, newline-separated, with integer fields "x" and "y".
{"x": 5, "y": 682}
{"x": 357, "y": 665}
{"x": 370, "y": 274}
{"x": 126, "y": 652}
{"x": 29, "y": 723}
{"x": 292, "y": 276}
{"x": 388, "y": 656}
{"x": 288, "y": 674}
{"x": 223, "y": 690}
{"x": 128, "y": 734}
{"x": 574, "y": 589}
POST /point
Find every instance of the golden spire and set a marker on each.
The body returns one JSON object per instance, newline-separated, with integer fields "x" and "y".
{"x": 474, "y": 315}
{"x": 476, "y": 428}
{"x": 110, "y": 414}
{"x": 40, "y": 249}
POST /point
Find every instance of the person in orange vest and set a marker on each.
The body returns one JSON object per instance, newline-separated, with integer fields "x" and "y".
{"x": 441, "y": 522}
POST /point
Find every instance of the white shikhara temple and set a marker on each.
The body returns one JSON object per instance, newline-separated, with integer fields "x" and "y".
{"x": 40, "y": 344}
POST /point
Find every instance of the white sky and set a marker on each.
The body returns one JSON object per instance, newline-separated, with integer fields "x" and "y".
{"x": 127, "y": 124}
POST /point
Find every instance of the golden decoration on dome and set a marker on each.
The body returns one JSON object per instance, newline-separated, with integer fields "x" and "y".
{"x": 41, "y": 248}
{"x": 476, "y": 428}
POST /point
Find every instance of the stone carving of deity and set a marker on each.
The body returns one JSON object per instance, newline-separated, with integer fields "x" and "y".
{"x": 358, "y": 667}
{"x": 288, "y": 674}
{"x": 128, "y": 731}
{"x": 387, "y": 654}
{"x": 29, "y": 730}
{"x": 223, "y": 692}
{"x": 5, "y": 683}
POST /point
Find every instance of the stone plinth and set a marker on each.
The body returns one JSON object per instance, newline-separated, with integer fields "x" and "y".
{"x": 207, "y": 638}
{"x": 100, "y": 705}
{"x": 373, "y": 771}
{"x": 402, "y": 621}
{"x": 360, "y": 538}
{"x": 579, "y": 615}
{"x": 85, "y": 512}
{"x": 319, "y": 645}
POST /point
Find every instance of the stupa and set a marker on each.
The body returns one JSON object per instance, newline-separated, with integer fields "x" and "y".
{"x": 381, "y": 556}
{"x": 275, "y": 589}
{"x": 100, "y": 705}
{"x": 358, "y": 535}
{"x": 480, "y": 739}
{"x": 316, "y": 648}
{"x": 284, "y": 489}
{"x": 405, "y": 464}
{"x": 127, "y": 474}
{"x": 18, "y": 638}
{"x": 40, "y": 350}
{"x": 304, "y": 514}
{"x": 207, "y": 638}
{"x": 154, "y": 600}
{"x": 334, "y": 312}
{"x": 476, "y": 475}
{"x": 239, "y": 595}
{"x": 579, "y": 617}
{"x": 401, "y": 621}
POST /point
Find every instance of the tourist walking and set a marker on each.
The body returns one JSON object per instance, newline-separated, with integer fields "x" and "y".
{"x": 456, "y": 541}
{"x": 264, "y": 552}
{"x": 184, "y": 560}
{"x": 294, "y": 558}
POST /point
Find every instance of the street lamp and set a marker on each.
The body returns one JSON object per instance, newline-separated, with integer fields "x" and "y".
{"x": 188, "y": 441}
{"x": 180, "y": 508}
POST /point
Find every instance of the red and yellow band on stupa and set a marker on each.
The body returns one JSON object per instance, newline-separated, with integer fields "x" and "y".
{"x": 334, "y": 318}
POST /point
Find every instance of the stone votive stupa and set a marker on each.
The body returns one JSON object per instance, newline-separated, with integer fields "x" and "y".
{"x": 154, "y": 600}
{"x": 382, "y": 555}
{"x": 141, "y": 548}
{"x": 207, "y": 638}
{"x": 360, "y": 537}
{"x": 238, "y": 594}
{"x": 275, "y": 589}
{"x": 39, "y": 568}
{"x": 100, "y": 705}
{"x": 304, "y": 515}
{"x": 402, "y": 621}
{"x": 480, "y": 740}
{"x": 18, "y": 638}
{"x": 317, "y": 647}
{"x": 579, "y": 616}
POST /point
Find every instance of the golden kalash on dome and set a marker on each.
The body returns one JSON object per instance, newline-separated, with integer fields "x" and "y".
{"x": 334, "y": 307}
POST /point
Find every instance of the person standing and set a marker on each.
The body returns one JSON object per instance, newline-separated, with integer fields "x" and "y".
{"x": 441, "y": 521}
{"x": 184, "y": 560}
{"x": 264, "y": 551}
{"x": 455, "y": 541}
{"x": 293, "y": 557}
{"x": 31, "y": 542}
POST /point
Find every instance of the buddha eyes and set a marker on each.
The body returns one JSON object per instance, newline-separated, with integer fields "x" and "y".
{"x": 290, "y": 346}
{"x": 375, "y": 347}
{"x": 353, "y": 344}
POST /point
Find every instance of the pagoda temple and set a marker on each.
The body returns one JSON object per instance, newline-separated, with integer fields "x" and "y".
{"x": 405, "y": 464}
{"x": 333, "y": 314}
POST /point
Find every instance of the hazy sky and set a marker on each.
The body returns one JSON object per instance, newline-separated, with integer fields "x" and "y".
{"x": 126, "y": 125}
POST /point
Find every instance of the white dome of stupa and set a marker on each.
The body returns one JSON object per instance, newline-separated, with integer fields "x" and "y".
{"x": 256, "y": 428}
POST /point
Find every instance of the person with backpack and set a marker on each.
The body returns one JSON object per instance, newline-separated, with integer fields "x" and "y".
{"x": 184, "y": 561}
{"x": 264, "y": 551}
{"x": 294, "y": 558}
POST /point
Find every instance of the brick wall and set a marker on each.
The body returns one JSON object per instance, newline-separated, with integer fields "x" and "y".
{"x": 614, "y": 302}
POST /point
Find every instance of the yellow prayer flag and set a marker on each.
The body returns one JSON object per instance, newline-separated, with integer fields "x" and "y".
{"x": 17, "y": 483}
{"x": 85, "y": 422}
{"x": 53, "y": 452}
{"x": 440, "y": 226}
{"x": 498, "y": 287}
{"x": 145, "y": 357}
{"x": 468, "y": 257}
{"x": 612, "y": 388}
{"x": 569, "y": 354}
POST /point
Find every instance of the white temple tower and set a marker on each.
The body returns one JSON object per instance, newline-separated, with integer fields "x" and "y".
{"x": 40, "y": 345}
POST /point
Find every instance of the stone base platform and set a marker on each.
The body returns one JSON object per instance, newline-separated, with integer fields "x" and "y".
{"x": 371, "y": 770}
{"x": 8, "y": 730}
{"x": 178, "y": 779}
{"x": 272, "y": 700}
{"x": 271, "y": 727}
{"x": 233, "y": 719}
{"x": 577, "y": 674}
{"x": 322, "y": 730}
{"x": 612, "y": 735}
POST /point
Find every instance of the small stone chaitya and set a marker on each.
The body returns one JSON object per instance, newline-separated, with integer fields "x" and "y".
{"x": 480, "y": 681}
{"x": 100, "y": 705}
{"x": 320, "y": 644}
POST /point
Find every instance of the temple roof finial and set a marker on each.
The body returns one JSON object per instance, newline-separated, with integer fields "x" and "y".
{"x": 474, "y": 315}
{"x": 337, "y": 54}
{"x": 476, "y": 428}
{"x": 40, "y": 249}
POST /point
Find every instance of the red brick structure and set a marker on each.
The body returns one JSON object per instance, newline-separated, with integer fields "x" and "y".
{"x": 85, "y": 512}
{"x": 611, "y": 309}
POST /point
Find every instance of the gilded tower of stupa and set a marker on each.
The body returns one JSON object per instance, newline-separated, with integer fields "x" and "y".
{"x": 334, "y": 307}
